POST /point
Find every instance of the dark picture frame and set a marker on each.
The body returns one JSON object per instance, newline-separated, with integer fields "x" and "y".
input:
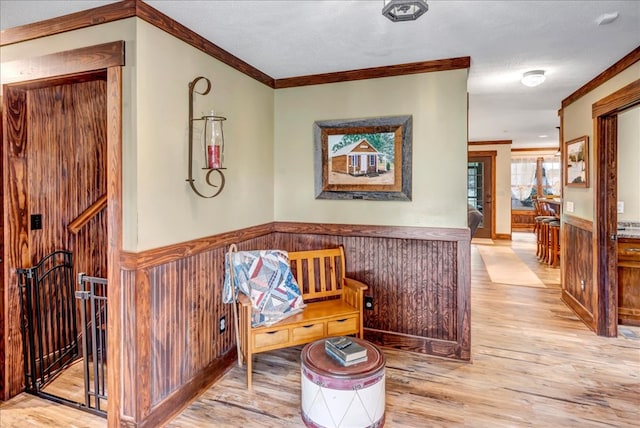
{"x": 576, "y": 162}
{"x": 366, "y": 159}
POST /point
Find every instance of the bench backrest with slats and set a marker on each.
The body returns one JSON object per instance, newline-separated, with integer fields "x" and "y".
{"x": 319, "y": 273}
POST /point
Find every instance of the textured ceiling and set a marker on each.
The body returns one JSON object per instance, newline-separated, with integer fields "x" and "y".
{"x": 503, "y": 38}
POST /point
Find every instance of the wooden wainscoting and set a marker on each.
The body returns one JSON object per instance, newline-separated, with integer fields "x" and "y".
{"x": 418, "y": 278}
{"x": 577, "y": 260}
{"x": 172, "y": 303}
{"x": 522, "y": 220}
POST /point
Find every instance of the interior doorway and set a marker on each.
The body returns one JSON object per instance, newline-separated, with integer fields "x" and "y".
{"x": 605, "y": 114}
{"x": 57, "y": 168}
{"x": 481, "y": 188}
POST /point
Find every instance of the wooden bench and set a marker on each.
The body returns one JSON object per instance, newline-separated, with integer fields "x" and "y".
{"x": 334, "y": 306}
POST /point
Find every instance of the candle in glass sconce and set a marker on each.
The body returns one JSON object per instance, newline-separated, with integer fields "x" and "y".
{"x": 214, "y": 148}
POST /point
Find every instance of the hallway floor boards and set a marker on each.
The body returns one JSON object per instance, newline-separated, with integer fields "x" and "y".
{"x": 534, "y": 364}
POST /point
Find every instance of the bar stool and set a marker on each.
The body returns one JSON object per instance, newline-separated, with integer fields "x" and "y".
{"x": 554, "y": 243}
{"x": 543, "y": 215}
{"x": 544, "y": 242}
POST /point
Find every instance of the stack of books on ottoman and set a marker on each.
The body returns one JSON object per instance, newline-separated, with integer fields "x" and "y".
{"x": 345, "y": 351}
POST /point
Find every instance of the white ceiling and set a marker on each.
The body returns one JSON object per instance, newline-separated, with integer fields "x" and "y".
{"x": 286, "y": 38}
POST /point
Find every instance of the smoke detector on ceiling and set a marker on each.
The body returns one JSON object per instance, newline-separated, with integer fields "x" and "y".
{"x": 607, "y": 18}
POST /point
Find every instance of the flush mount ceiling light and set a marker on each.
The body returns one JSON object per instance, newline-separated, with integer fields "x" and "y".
{"x": 533, "y": 78}
{"x": 404, "y": 10}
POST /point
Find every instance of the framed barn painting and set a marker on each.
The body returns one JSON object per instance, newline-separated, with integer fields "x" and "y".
{"x": 363, "y": 158}
{"x": 576, "y": 162}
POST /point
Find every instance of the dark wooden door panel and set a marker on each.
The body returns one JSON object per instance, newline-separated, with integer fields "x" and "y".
{"x": 66, "y": 170}
{"x": 480, "y": 192}
{"x": 54, "y": 157}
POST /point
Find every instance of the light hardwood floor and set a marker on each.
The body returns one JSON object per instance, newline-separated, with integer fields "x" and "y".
{"x": 534, "y": 364}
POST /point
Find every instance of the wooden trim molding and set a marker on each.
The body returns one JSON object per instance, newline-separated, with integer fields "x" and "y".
{"x": 617, "y": 101}
{"x": 122, "y": 10}
{"x": 397, "y": 232}
{"x": 375, "y": 72}
{"x": 493, "y": 154}
{"x": 489, "y": 142}
{"x": 542, "y": 150}
{"x": 171, "y": 253}
{"x": 114, "y": 243}
{"x": 165, "y": 23}
{"x": 578, "y": 222}
{"x": 605, "y": 114}
{"x": 177, "y": 402}
{"x": 74, "y": 61}
{"x": 140, "y": 9}
{"x": 582, "y": 312}
{"x": 3, "y": 277}
{"x": 74, "y": 21}
{"x": 503, "y": 236}
{"x": 624, "y": 63}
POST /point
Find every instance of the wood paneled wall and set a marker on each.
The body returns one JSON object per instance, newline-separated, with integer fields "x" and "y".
{"x": 523, "y": 220}
{"x": 577, "y": 260}
{"x": 55, "y": 159}
{"x": 66, "y": 170}
{"x": 172, "y": 303}
{"x": 415, "y": 281}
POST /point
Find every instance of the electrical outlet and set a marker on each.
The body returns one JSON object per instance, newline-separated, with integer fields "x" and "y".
{"x": 620, "y": 207}
{"x": 368, "y": 302}
{"x": 36, "y": 221}
{"x": 582, "y": 284}
{"x": 222, "y": 324}
{"x": 569, "y": 207}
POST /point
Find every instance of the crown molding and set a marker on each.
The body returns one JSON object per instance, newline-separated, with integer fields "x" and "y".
{"x": 617, "y": 68}
{"x": 489, "y": 142}
{"x": 137, "y": 8}
{"x": 376, "y": 72}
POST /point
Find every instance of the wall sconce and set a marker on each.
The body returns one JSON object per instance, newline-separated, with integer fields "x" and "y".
{"x": 212, "y": 143}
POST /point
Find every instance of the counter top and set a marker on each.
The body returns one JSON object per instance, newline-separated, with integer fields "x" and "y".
{"x": 629, "y": 229}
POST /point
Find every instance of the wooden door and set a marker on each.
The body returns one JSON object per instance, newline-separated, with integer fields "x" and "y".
{"x": 480, "y": 191}
{"x": 605, "y": 114}
{"x": 2, "y": 252}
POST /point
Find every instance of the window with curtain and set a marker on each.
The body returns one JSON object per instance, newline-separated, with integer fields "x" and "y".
{"x": 532, "y": 176}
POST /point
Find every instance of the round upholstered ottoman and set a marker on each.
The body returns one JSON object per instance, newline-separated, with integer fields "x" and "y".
{"x": 337, "y": 396}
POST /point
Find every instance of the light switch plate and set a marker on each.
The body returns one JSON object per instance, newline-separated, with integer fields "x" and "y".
{"x": 569, "y": 207}
{"x": 620, "y": 207}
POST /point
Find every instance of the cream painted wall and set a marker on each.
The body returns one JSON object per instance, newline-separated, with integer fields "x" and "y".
{"x": 502, "y": 196}
{"x": 159, "y": 207}
{"x": 168, "y": 210}
{"x": 577, "y": 121}
{"x": 438, "y": 103}
{"x": 629, "y": 164}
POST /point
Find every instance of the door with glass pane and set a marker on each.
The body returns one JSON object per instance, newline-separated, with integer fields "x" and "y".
{"x": 479, "y": 192}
